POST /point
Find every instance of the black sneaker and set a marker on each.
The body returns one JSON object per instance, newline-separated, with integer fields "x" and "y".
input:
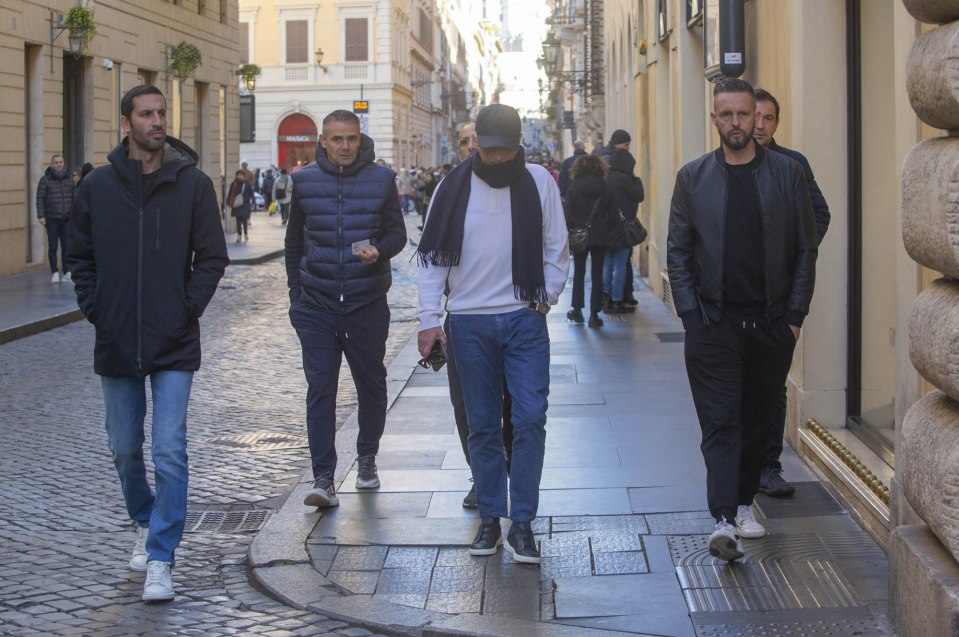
{"x": 520, "y": 542}
{"x": 322, "y": 494}
{"x": 488, "y": 537}
{"x": 366, "y": 477}
{"x": 772, "y": 484}
{"x": 629, "y": 299}
{"x": 575, "y": 315}
{"x": 595, "y": 320}
{"x": 469, "y": 502}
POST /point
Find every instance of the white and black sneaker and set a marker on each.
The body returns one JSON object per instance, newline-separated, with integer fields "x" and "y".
{"x": 746, "y": 524}
{"x": 521, "y": 543}
{"x": 323, "y": 494}
{"x": 489, "y": 536}
{"x": 366, "y": 477}
{"x": 724, "y": 544}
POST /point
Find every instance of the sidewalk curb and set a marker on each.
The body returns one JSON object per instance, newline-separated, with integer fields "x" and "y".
{"x": 281, "y": 566}
{"x": 42, "y": 325}
{"x": 257, "y": 260}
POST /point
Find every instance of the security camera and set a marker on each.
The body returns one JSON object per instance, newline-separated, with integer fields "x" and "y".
{"x": 108, "y": 65}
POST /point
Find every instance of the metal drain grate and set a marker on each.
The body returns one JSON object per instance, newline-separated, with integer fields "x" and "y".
{"x": 823, "y": 628}
{"x": 224, "y": 521}
{"x": 261, "y": 441}
{"x": 671, "y": 337}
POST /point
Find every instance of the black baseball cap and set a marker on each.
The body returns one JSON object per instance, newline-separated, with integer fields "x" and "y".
{"x": 498, "y": 126}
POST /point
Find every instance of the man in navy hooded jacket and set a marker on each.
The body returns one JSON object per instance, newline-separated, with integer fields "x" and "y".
{"x": 345, "y": 225}
{"x": 146, "y": 249}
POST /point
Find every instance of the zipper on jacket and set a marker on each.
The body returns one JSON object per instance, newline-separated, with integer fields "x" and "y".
{"x": 158, "y": 229}
{"x": 762, "y": 223}
{"x": 140, "y": 295}
{"x": 339, "y": 231}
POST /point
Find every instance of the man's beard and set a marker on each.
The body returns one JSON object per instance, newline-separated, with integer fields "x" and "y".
{"x": 147, "y": 143}
{"x": 734, "y": 144}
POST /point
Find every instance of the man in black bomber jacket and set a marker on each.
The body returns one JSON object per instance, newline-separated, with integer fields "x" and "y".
{"x": 146, "y": 249}
{"x": 741, "y": 255}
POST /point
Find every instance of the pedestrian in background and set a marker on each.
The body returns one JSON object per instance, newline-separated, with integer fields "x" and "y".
{"x": 498, "y": 295}
{"x": 345, "y": 226}
{"x": 771, "y": 480}
{"x": 147, "y": 251}
{"x": 283, "y": 194}
{"x": 579, "y": 149}
{"x": 627, "y": 191}
{"x": 240, "y": 202}
{"x": 55, "y": 194}
{"x": 741, "y": 255}
{"x": 589, "y": 205}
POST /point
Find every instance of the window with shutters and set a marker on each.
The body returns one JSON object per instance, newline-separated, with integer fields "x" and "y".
{"x": 297, "y": 42}
{"x": 357, "y": 40}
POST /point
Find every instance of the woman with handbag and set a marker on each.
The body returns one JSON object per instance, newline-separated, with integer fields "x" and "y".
{"x": 589, "y": 212}
{"x": 239, "y": 200}
{"x": 627, "y": 192}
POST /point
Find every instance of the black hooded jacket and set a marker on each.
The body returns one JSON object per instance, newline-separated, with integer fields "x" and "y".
{"x": 146, "y": 264}
{"x": 333, "y": 207}
{"x": 626, "y": 189}
{"x": 55, "y": 194}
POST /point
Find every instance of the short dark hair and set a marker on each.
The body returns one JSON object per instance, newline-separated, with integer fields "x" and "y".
{"x": 733, "y": 85}
{"x": 126, "y": 104}
{"x": 340, "y": 115}
{"x": 588, "y": 165}
{"x": 762, "y": 95}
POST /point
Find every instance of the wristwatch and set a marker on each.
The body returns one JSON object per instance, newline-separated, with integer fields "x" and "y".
{"x": 542, "y": 308}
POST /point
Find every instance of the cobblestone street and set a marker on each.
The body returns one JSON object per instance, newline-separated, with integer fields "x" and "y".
{"x": 64, "y": 534}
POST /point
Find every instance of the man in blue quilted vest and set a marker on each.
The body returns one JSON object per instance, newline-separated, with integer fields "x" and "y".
{"x": 345, "y": 225}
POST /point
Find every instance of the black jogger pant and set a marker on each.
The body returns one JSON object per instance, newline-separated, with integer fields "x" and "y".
{"x": 737, "y": 368}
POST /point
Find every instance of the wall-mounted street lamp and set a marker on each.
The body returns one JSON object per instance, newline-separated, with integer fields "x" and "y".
{"x": 319, "y": 60}
{"x": 58, "y": 25}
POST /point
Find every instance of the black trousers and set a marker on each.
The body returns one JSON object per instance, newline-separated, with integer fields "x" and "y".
{"x": 326, "y": 338}
{"x": 57, "y": 236}
{"x": 774, "y": 446}
{"x": 596, "y": 257}
{"x": 737, "y": 368}
{"x": 459, "y": 407}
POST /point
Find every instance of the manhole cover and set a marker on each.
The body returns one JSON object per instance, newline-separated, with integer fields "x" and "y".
{"x": 261, "y": 441}
{"x": 224, "y": 521}
{"x": 671, "y": 337}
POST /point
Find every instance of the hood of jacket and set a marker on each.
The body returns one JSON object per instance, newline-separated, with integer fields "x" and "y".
{"x": 622, "y": 160}
{"x": 59, "y": 175}
{"x": 176, "y": 157}
{"x": 367, "y": 155}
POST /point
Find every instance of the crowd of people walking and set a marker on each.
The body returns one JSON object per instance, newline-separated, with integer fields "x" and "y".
{"x": 498, "y": 236}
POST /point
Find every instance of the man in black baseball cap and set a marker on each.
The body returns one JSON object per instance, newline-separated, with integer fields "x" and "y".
{"x": 495, "y": 241}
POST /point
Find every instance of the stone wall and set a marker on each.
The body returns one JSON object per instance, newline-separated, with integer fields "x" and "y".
{"x": 924, "y": 558}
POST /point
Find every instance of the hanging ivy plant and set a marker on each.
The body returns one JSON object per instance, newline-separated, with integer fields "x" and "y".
{"x": 185, "y": 60}
{"x": 248, "y": 73}
{"x": 80, "y": 23}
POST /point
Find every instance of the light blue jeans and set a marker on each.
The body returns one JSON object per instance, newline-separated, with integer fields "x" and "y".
{"x": 165, "y": 511}
{"x": 514, "y": 344}
{"x": 614, "y": 272}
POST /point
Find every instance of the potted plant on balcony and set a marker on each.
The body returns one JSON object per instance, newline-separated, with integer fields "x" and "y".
{"x": 81, "y": 27}
{"x": 248, "y": 73}
{"x": 185, "y": 59}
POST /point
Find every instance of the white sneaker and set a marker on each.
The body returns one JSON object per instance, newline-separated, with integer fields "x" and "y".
{"x": 158, "y": 586}
{"x": 724, "y": 544}
{"x": 66, "y": 278}
{"x": 138, "y": 561}
{"x": 746, "y": 524}
{"x": 55, "y": 277}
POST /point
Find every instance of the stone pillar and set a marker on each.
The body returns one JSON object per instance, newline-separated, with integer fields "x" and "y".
{"x": 924, "y": 558}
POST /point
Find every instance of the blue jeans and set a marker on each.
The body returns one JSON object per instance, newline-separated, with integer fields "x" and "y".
{"x": 515, "y": 344}
{"x": 614, "y": 272}
{"x": 125, "y": 401}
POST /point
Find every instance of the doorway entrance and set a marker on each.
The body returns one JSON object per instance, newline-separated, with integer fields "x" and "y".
{"x": 297, "y": 139}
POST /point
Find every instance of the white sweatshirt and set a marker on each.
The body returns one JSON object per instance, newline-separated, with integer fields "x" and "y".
{"x": 483, "y": 281}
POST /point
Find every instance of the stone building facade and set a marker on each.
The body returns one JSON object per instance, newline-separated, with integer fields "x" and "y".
{"x": 55, "y": 101}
